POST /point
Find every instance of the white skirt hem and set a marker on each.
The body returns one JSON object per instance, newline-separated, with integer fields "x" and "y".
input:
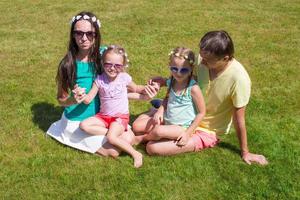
{"x": 68, "y": 133}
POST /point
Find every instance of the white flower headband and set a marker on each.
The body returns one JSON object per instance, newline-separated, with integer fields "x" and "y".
{"x": 86, "y": 17}
{"x": 181, "y": 56}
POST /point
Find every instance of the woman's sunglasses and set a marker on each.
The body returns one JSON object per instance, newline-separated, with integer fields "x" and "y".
{"x": 182, "y": 70}
{"x": 110, "y": 65}
{"x": 89, "y": 34}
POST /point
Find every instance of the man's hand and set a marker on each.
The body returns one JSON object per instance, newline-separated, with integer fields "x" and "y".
{"x": 250, "y": 158}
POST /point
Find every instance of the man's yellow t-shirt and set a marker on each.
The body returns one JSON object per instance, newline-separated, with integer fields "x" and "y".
{"x": 231, "y": 89}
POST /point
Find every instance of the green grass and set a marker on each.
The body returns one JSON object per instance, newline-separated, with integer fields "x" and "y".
{"x": 34, "y": 36}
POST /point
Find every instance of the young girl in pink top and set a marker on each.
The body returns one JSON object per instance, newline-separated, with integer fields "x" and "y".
{"x": 113, "y": 117}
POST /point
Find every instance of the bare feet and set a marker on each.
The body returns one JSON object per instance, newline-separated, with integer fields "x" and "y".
{"x": 108, "y": 151}
{"x": 138, "y": 160}
{"x": 138, "y": 139}
{"x": 102, "y": 152}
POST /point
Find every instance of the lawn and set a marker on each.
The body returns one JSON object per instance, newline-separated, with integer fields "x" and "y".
{"x": 34, "y": 37}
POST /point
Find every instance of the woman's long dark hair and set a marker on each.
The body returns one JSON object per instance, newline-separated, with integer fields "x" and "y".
{"x": 66, "y": 74}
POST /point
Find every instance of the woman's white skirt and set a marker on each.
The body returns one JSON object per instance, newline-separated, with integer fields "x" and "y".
{"x": 68, "y": 132}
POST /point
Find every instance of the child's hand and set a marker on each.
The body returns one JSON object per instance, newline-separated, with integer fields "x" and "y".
{"x": 158, "y": 117}
{"x": 78, "y": 90}
{"x": 182, "y": 139}
{"x": 79, "y": 94}
{"x": 155, "y": 85}
{"x": 151, "y": 90}
{"x": 158, "y": 79}
{"x": 79, "y": 98}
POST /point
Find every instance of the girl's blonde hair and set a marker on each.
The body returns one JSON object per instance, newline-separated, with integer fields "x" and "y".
{"x": 186, "y": 54}
{"x": 117, "y": 50}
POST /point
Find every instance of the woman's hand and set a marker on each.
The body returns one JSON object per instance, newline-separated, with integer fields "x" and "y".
{"x": 78, "y": 94}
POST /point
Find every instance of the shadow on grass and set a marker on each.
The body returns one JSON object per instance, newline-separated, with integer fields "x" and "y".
{"x": 44, "y": 114}
{"x": 229, "y": 146}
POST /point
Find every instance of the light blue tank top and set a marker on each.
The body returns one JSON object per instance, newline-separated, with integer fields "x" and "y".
{"x": 85, "y": 79}
{"x": 180, "y": 109}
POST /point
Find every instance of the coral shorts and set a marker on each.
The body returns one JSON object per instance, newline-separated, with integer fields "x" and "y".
{"x": 107, "y": 120}
{"x": 204, "y": 140}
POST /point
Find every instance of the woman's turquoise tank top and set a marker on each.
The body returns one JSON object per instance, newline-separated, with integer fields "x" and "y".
{"x": 85, "y": 79}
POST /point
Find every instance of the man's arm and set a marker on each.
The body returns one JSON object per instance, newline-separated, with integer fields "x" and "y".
{"x": 240, "y": 127}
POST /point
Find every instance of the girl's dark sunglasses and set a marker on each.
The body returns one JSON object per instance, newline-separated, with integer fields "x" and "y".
{"x": 183, "y": 70}
{"x": 89, "y": 34}
{"x": 110, "y": 65}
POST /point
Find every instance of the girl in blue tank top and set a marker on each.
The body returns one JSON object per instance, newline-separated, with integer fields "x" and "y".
{"x": 183, "y": 107}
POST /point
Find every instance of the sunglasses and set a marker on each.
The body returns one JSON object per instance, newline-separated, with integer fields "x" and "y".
{"x": 182, "y": 70}
{"x": 110, "y": 65}
{"x": 89, "y": 34}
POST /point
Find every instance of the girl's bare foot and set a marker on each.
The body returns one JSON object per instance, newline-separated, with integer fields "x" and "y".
{"x": 108, "y": 150}
{"x": 138, "y": 160}
{"x": 138, "y": 139}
